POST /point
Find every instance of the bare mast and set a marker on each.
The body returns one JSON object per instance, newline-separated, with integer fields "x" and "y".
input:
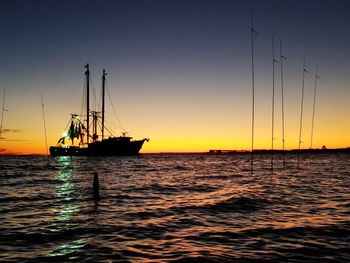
{"x": 43, "y": 109}
{"x": 313, "y": 109}
{"x": 253, "y": 88}
{"x": 103, "y": 102}
{"x": 87, "y": 73}
{"x": 2, "y": 112}
{"x": 301, "y": 110}
{"x": 273, "y": 100}
{"x": 282, "y": 104}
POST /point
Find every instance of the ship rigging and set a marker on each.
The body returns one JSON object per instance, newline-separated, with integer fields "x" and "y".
{"x": 87, "y": 134}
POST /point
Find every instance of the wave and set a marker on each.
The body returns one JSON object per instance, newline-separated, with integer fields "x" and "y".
{"x": 236, "y": 204}
{"x": 174, "y": 208}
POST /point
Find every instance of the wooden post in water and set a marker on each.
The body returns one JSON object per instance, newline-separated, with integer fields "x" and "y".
{"x": 96, "y": 186}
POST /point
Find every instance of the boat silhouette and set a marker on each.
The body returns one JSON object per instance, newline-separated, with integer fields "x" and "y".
{"x": 87, "y": 134}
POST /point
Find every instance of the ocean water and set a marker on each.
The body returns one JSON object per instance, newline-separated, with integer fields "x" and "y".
{"x": 175, "y": 208}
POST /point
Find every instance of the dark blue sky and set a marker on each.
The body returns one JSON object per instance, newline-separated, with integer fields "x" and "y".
{"x": 166, "y": 32}
{"x": 45, "y": 29}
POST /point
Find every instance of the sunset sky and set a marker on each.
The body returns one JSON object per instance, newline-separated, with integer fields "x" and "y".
{"x": 179, "y": 72}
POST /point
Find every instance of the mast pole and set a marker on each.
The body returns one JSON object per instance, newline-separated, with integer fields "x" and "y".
{"x": 103, "y": 102}
{"x": 301, "y": 110}
{"x": 87, "y": 73}
{"x": 282, "y": 104}
{"x": 43, "y": 108}
{"x": 253, "y": 88}
{"x": 273, "y": 100}
{"x": 313, "y": 109}
{"x": 2, "y": 112}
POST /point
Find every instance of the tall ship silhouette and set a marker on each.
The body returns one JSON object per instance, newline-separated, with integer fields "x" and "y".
{"x": 83, "y": 138}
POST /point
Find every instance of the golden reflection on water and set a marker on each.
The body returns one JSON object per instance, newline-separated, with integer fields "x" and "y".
{"x": 64, "y": 194}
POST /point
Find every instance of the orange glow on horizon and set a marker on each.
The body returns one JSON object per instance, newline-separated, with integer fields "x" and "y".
{"x": 191, "y": 127}
{"x": 176, "y": 144}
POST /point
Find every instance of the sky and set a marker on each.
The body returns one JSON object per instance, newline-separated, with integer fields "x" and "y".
{"x": 179, "y": 72}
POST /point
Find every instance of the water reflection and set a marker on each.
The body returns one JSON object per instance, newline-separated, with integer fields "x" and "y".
{"x": 185, "y": 208}
{"x": 67, "y": 207}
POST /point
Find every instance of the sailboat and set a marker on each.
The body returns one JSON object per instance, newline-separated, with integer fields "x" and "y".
{"x": 87, "y": 134}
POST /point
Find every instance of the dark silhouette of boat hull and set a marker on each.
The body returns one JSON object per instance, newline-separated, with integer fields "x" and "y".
{"x": 115, "y": 146}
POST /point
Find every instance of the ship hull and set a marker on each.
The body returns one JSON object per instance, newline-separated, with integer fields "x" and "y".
{"x": 117, "y": 146}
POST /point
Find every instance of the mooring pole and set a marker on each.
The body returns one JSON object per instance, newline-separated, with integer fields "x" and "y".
{"x": 96, "y": 186}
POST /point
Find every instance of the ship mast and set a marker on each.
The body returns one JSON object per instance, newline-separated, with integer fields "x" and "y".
{"x": 43, "y": 109}
{"x": 282, "y": 104}
{"x": 2, "y": 112}
{"x": 253, "y": 87}
{"x": 87, "y": 73}
{"x": 273, "y": 100}
{"x": 103, "y": 102}
{"x": 313, "y": 109}
{"x": 301, "y": 111}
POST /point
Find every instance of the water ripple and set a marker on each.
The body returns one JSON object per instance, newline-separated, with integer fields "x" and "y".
{"x": 175, "y": 208}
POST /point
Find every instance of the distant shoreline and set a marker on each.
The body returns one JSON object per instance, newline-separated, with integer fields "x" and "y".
{"x": 263, "y": 151}
{"x": 218, "y": 151}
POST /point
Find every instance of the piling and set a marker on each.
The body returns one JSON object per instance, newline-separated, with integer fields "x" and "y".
{"x": 96, "y": 187}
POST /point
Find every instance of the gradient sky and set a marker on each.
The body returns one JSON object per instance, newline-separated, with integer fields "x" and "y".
{"x": 179, "y": 72}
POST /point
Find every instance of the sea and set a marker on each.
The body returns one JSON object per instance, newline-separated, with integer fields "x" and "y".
{"x": 176, "y": 208}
